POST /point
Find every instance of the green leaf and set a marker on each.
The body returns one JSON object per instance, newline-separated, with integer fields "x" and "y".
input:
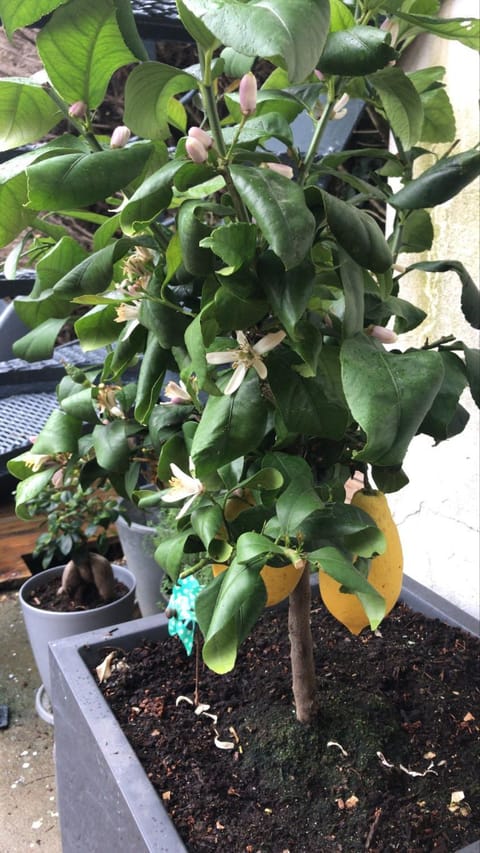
{"x": 59, "y": 183}
{"x": 440, "y": 182}
{"x": 438, "y": 117}
{"x": 29, "y": 488}
{"x": 81, "y": 60}
{"x": 341, "y": 569}
{"x": 278, "y": 206}
{"x": 401, "y": 102}
{"x": 289, "y": 32}
{"x": 303, "y": 402}
{"x": 230, "y": 427}
{"x": 295, "y": 504}
{"x": 351, "y": 276}
{"x": 15, "y": 14}
{"x": 59, "y": 434}
{"x": 288, "y": 291}
{"x": 470, "y": 293}
{"x": 356, "y": 51}
{"x": 35, "y": 112}
{"x": 39, "y": 343}
{"x": 151, "y": 198}
{"x": 128, "y": 29}
{"x": 167, "y": 324}
{"x": 94, "y": 274}
{"x": 464, "y": 30}
{"x": 97, "y": 327}
{"x": 207, "y": 522}
{"x": 150, "y": 378}
{"x": 148, "y": 91}
{"x": 14, "y": 215}
{"x": 234, "y": 243}
{"x": 194, "y": 26}
{"x": 227, "y": 610}
{"x": 440, "y": 419}
{"x": 417, "y": 232}
{"x": 358, "y": 234}
{"x": 389, "y": 394}
{"x": 112, "y": 450}
{"x": 472, "y": 368}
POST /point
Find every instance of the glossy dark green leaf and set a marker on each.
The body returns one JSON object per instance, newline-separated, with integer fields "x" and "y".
{"x": 166, "y": 323}
{"x": 227, "y": 610}
{"x": 401, "y": 102}
{"x": 94, "y": 274}
{"x": 111, "y": 446}
{"x": 470, "y": 300}
{"x": 208, "y": 523}
{"x": 288, "y": 291}
{"x": 59, "y": 435}
{"x": 230, "y": 426}
{"x": 71, "y": 180}
{"x": 234, "y": 243}
{"x": 443, "y": 416}
{"x": 417, "y": 232}
{"x": 440, "y": 182}
{"x": 151, "y": 198}
{"x": 335, "y": 564}
{"x": 389, "y": 479}
{"x": 465, "y": 30}
{"x": 389, "y": 394}
{"x": 278, "y": 206}
{"x": 356, "y": 51}
{"x": 358, "y": 234}
{"x": 150, "y": 378}
{"x": 30, "y": 488}
{"x": 39, "y": 343}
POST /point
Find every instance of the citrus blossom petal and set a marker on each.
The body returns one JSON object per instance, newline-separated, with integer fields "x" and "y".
{"x": 269, "y": 342}
{"x": 236, "y": 379}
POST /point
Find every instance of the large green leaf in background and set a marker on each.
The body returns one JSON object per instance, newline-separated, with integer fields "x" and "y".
{"x": 148, "y": 91}
{"x": 401, "y": 102}
{"x": 389, "y": 394}
{"x": 21, "y": 13}
{"x": 81, "y": 46}
{"x": 465, "y": 30}
{"x": 290, "y": 32}
{"x": 26, "y": 112}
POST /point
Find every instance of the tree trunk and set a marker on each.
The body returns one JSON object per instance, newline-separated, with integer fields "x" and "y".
{"x": 301, "y": 650}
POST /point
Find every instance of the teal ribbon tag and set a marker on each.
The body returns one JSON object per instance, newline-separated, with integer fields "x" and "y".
{"x": 182, "y": 606}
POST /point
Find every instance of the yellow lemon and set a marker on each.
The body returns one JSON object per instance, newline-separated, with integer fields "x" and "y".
{"x": 385, "y": 573}
{"x": 279, "y": 581}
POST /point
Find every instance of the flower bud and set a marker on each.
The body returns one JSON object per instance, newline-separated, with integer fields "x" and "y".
{"x": 202, "y": 136}
{"x": 386, "y": 336}
{"x": 339, "y": 110}
{"x": 195, "y": 150}
{"x": 281, "y": 169}
{"x": 120, "y": 136}
{"x": 247, "y": 91}
{"x": 78, "y": 109}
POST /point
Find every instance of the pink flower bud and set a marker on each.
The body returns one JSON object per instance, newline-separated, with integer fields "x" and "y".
{"x": 195, "y": 150}
{"x": 120, "y": 136}
{"x": 78, "y": 109}
{"x": 57, "y": 478}
{"x": 202, "y": 136}
{"x": 386, "y": 336}
{"x": 281, "y": 169}
{"x": 247, "y": 91}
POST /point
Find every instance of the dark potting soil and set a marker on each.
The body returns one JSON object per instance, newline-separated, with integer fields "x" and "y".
{"x": 46, "y": 597}
{"x": 390, "y": 763}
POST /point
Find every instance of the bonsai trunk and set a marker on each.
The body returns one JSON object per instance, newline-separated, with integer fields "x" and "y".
{"x": 301, "y": 650}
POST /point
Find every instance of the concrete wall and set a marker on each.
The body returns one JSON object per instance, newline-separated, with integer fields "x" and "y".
{"x": 438, "y": 512}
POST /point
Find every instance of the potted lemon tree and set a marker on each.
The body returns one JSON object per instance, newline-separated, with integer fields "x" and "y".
{"x": 264, "y": 278}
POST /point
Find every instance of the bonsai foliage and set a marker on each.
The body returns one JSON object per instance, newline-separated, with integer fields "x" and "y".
{"x": 74, "y": 516}
{"x": 258, "y": 271}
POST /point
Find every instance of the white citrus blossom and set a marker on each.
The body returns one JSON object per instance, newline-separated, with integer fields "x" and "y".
{"x": 182, "y": 486}
{"x": 128, "y": 313}
{"x": 176, "y": 393}
{"x": 246, "y": 356}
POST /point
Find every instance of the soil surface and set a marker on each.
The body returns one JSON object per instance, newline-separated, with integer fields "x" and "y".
{"x": 47, "y": 597}
{"x": 389, "y": 764}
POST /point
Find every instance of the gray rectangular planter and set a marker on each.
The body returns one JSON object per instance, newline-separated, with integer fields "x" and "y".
{"x": 105, "y": 799}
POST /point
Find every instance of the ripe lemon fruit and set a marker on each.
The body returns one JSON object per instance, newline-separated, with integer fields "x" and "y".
{"x": 385, "y": 573}
{"x": 279, "y": 581}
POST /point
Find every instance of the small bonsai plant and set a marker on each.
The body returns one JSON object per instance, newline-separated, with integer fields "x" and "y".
{"x": 74, "y": 516}
{"x": 269, "y": 282}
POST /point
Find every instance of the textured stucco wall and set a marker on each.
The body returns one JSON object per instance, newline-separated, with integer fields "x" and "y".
{"x": 438, "y": 512}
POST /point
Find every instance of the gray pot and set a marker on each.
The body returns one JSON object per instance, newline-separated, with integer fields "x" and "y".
{"x": 125, "y": 812}
{"x": 137, "y": 539}
{"x": 44, "y": 626}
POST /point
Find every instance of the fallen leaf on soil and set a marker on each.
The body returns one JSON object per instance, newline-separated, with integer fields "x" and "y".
{"x": 166, "y": 796}
{"x": 351, "y": 802}
{"x": 468, "y": 717}
{"x": 104, "y": 669}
